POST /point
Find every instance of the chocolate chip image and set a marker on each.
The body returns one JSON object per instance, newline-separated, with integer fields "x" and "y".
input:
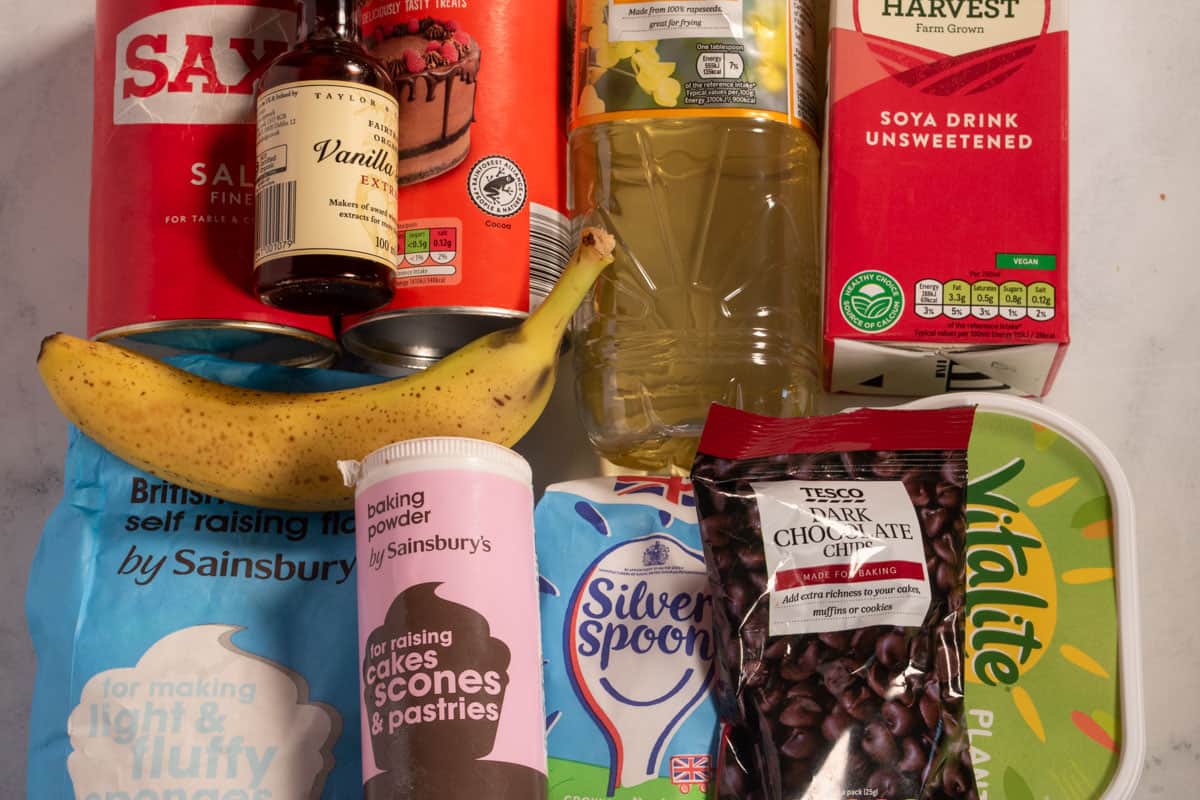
{"x": 802, "y": 712}
{"x": 900, "y": 719}
{"x": 879, "y": 744}
{"x": 912, "y": 755}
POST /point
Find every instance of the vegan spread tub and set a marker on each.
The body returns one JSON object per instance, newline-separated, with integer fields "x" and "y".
{"x": 1053, "y": 674}
{"x": 448, "y": 623}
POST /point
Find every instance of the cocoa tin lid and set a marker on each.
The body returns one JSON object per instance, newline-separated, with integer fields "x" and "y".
{"x": 417, "y": 338}
{"x": 1054, "y": 697}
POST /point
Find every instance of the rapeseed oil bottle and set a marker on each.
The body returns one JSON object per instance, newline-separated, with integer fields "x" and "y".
{"x": 693, "y": 140}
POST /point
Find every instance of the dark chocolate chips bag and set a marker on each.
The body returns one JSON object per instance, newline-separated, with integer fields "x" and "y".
{"x": 835, "y": 551}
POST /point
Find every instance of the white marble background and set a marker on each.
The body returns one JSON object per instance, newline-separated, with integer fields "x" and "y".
{"x": 1133, "y": 375}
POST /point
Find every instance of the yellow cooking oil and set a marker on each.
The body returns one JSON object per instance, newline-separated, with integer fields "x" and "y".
{"x": 714, "y": 296}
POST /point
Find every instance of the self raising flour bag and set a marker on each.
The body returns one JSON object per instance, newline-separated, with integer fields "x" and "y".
{"x": 188, "y": 648}
{"x": 626, "y": 639}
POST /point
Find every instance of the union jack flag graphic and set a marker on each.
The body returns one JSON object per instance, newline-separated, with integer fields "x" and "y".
{"x": 689, "y": 771}
{"x": 674, "y": 489}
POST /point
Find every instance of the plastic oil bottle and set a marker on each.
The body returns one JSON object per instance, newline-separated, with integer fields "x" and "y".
{"x": 693, "y": 141}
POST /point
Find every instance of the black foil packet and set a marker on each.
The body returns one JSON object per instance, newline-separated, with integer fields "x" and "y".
{"x": 835, "y": 548}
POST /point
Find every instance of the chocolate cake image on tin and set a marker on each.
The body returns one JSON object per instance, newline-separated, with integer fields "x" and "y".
{"x": 434, "y": 66}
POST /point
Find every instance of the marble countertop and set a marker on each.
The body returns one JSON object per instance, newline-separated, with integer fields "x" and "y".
{"x": 1132, "y": 376}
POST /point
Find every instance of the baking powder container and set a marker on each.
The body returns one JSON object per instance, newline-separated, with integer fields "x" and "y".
{"x": 448, "y": 622}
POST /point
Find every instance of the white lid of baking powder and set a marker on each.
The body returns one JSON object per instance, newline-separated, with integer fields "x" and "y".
{"x": 435, "y": 453}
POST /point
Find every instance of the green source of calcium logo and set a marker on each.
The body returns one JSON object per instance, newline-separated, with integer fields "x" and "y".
{"x": 872, "y": 301}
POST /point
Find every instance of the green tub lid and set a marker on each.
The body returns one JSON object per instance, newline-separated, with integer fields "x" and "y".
{"x": 1053, "y": 691}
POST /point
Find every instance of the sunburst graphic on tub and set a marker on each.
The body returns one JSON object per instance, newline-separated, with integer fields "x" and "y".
{"x": 1013, "y": 587}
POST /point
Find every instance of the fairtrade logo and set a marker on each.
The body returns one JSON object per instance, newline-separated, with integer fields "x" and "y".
{"x": 872, "y": 301}
{"x": 639, "y": 647}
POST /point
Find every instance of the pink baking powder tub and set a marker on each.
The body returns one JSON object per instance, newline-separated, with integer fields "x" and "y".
{"x": 448, "y": 622}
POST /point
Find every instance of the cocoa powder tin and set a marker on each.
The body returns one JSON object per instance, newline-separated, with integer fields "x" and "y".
{"x": 172, "y": 206}
{"x": 483, "y": 233}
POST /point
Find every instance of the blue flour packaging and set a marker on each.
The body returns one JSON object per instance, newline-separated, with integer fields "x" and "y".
{"x": 191, "y": 649}
{"x": 626, "y": 639}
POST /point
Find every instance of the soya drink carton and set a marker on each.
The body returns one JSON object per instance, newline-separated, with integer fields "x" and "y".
{"x": 946, "y": 250}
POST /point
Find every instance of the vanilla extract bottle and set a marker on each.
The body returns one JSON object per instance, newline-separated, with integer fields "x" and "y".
{"x": 325, "y": 191}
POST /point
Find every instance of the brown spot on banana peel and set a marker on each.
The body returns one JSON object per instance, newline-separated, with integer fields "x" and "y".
{"x": 540, "y": 384}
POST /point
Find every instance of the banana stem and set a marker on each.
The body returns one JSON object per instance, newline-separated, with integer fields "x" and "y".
{"x": 549, "y": 321}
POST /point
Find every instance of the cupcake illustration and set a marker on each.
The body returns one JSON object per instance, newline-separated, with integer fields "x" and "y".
{"x": 434, "y": 694}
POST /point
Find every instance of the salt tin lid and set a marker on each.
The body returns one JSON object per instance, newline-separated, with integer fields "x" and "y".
{"x": 1068, "y": 721}
{"x": 435, "y": 452}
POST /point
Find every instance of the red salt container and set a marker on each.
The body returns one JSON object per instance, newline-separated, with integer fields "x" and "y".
{"x": 172, "y": 205}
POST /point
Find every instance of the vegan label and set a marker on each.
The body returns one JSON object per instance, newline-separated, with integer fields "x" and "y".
{"x": 841, "y": 555}
{"x": 1025, "y": 261}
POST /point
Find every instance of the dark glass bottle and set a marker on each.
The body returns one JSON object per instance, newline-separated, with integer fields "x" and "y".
{"x": 304, "y": 261}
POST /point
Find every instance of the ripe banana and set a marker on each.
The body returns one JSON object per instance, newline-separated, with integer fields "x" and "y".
{"x": 280, "y": 450}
